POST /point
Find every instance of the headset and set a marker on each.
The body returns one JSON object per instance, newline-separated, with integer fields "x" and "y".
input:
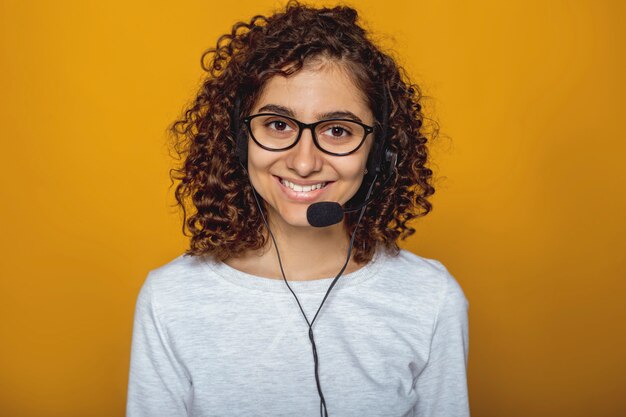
{"x": 381, "y": 162}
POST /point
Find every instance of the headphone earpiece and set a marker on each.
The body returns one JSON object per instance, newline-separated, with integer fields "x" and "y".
{"x": 382, "y": 160}
{"x": 391, "y": 159}
{"x": 242, "y": 148}
{"x": 239, "y": 134}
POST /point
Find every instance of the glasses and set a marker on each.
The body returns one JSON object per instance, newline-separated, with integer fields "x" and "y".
{"x": 338, "y": 137}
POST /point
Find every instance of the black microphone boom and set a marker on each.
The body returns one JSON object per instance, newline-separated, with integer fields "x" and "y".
{"x": 327, "y": 213}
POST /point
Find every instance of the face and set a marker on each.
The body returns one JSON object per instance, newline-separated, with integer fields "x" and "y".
{"x": 317, "y": 89}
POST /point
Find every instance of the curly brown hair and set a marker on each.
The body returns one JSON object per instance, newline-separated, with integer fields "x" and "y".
{"x": 214, "y": 192}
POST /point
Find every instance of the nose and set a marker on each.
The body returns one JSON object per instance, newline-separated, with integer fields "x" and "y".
{"x": 305, "y": 158}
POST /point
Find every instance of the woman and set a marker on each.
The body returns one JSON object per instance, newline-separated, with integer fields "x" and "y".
{"x": 283, "y": 306}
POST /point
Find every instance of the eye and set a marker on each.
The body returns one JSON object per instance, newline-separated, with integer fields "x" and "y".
{"x": 337, "y": 131}
{"x": 278, "y": 125}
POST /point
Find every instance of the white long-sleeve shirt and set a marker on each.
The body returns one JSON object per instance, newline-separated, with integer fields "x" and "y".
{"x": 210, "y": 340}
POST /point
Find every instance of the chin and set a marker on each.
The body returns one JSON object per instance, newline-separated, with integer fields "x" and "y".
{"x": 293, "y": 216}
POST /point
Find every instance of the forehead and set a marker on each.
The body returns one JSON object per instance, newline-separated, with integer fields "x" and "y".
{"x": 321, "y": 86}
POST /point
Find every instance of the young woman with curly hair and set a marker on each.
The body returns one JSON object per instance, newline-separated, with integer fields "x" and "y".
{"x": 303, "y": 160}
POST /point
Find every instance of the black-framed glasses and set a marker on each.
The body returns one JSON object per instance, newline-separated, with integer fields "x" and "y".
{"x": 275, "y": 132}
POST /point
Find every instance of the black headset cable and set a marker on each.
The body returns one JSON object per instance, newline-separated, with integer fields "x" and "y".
{"x": 323, "y": 408}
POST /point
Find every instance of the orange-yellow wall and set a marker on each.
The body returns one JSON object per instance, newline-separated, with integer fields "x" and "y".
{"x": 528, "y": 211}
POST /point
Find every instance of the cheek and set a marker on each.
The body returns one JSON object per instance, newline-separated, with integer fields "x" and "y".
{"x": 352, "y": 173}
{"x": 259, "y": 164}
{"x": 258, "y": 159}
{"x": 353, "y": 168}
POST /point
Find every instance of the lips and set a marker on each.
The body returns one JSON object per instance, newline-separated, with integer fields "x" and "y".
{"x": 302, "y": 196}
{"x": 302, "y": 188}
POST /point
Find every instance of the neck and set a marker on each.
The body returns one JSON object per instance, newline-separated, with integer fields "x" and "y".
{"x": 306, "y": 253}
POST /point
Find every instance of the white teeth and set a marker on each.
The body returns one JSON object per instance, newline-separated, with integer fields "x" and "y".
{"x": 302, "y": 188}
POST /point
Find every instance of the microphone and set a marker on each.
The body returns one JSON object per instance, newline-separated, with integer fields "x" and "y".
{"x": 324, "y": 213}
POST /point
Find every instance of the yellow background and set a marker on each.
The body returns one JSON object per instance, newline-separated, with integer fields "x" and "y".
{"x": 528, "y": 210}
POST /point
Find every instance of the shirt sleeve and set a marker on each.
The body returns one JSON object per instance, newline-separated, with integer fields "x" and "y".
{"x": 158, "y": 384}
{"x": 442, "y": 384}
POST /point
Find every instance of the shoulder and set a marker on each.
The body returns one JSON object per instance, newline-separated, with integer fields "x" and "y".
{"x": 176, "y": 283}
{"x": 422, "y": 278}
{"x": 182, "y": 269}
{"x": 419, "y": 264}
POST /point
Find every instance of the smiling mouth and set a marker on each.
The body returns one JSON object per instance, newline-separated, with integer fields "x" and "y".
{"x": 302, "y": 188}
{"x": 299, "y": 188}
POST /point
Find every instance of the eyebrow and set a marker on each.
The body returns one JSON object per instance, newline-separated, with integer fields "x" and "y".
{"x": 339, "y": 114}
